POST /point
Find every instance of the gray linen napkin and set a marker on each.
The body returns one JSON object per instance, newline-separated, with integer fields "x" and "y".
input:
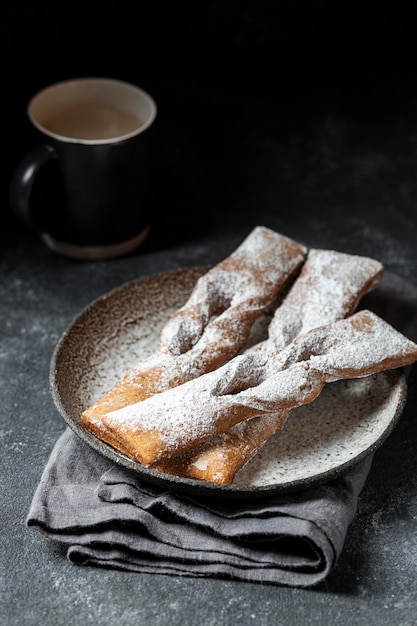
{"x": 107, "y": 517}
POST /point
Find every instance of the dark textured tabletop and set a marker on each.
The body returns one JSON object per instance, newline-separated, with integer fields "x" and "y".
{"x": 330, "y": 161}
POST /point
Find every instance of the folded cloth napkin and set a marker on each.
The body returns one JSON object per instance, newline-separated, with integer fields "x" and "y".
{"x": 108, "y": 517}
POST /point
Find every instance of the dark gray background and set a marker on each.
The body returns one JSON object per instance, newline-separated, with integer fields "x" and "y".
{"x": 299, "y": 116}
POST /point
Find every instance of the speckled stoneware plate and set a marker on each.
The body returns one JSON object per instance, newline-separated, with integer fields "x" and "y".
{"x": 347, "y": 422}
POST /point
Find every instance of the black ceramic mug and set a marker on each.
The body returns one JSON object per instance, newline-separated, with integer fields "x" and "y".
{"x": 83, "y": 184}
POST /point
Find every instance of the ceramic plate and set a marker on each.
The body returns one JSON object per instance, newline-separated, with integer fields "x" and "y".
{"x": 347, "y": 422}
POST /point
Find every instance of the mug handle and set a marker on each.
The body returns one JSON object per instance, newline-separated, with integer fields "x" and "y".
{"x": 22, "y": 181}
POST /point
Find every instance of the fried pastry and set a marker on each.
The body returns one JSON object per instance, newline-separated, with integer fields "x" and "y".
{"x": 220, "y": 458}
{"x": 249, "y": 385}
{"x": 329, "y": 288}
{"x": 211, "y": 327}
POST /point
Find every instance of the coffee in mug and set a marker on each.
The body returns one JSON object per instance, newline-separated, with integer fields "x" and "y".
{"x": 92, "y": 121}
{"x": 83, "y": 185}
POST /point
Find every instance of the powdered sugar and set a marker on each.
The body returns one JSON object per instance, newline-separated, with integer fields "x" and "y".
{"x": 230, "y": 296}
{"x": 186, "y": 415}
{"x": 214, "y": 323}
{"x": 329, "y": 287}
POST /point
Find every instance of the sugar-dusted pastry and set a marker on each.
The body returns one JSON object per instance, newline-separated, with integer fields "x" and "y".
{"x": 328, "y": 288}
{"x": 221, "y": 457}
{"x": 211, "y": 327}
{"x": 250, "y": 385}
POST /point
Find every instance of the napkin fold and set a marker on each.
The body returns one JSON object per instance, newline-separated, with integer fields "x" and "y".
{"x": 107, "y": 516}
